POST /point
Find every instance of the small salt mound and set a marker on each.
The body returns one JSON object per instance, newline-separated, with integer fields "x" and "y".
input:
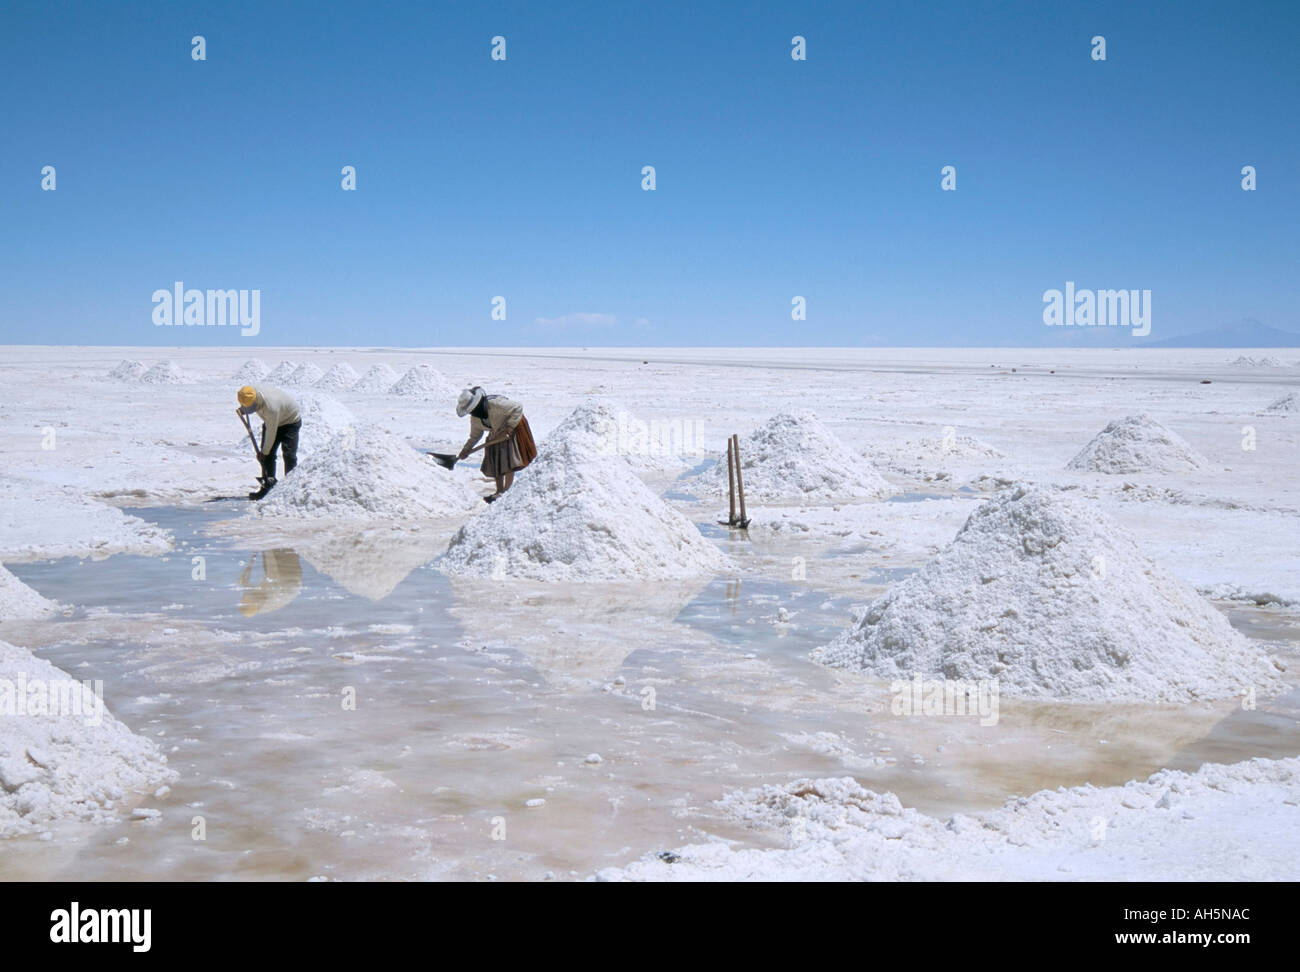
{"x": 254, "y": 369}
{"x": 793, "y": 456}
{"x": 1289, "y": 402}
{"x": 305, "y": 376}
{"x": 1137, "y": 444}
{"x": 369, "y": 474}
{"x": 282, "y": 374}
{"x": 128, "y": 369}
{"x": 1268, "y": 361}
{"x": 930, "y": 452}
{"x": 1049, "y": 597}
{"x": 165, "y": 372}
{"x": 18, "y": 602}
{"x": 425, "y": 381}
{"x": 378, "y": 378}
{"x": 74, "y": 760}
{"x": 340, "y": 377}
{"x": 579, "y": 514}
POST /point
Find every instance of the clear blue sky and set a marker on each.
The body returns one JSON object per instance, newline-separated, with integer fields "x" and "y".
{"x": 522, "y": 178}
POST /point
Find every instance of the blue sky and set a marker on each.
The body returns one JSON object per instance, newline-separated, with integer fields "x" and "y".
{"x": 522, "y": 178}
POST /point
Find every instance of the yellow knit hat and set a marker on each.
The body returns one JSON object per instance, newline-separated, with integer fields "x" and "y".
{"x": 247, "y": 396}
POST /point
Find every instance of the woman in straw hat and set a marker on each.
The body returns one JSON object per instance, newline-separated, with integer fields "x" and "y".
{"x": 510, "y": 445}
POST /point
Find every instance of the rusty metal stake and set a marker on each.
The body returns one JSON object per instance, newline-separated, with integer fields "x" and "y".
{"x": 740, "y": 483}
{"x": 731, "y": 485}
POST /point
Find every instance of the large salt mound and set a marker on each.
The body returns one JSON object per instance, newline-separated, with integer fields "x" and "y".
{"x": 579, "y": 514}
{"x": 368, "y": 474}
{"x": 128, "y": 369}
{"x": 282, "y": 374}
{"x": 1137, "y": 444}
{"x": 18, "y": 602}
{"x": 340, "y": 377}
{"x": 1049, "y": 597}
{"x": 378, "y": 378}
{"x": 254, "y": 369}
{"x": 1289, "y": 402}
{"x": 165, "y": 372}
{"x": 68, "y": 765}
{"x": 793, "y": 456}
{"x": 424, "y": 380}
{"x": 305, "y": 376}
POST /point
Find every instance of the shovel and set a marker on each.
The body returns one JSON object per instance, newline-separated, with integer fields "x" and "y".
{"x": 251, "y": 438}
{"x": 447, "y": 460}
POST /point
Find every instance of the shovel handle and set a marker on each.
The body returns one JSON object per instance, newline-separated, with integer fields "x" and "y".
{"x": 248, "y": 427}
{"x": 450, "y": 459}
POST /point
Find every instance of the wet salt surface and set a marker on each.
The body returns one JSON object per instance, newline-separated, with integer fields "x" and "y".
{"x": 454, "y": 734}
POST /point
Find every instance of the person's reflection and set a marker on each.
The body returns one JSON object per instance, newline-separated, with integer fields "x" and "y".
{"x": 281, "y": 582}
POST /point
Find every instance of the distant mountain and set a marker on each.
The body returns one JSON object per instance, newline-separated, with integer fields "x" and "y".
{"x": 1249, "y": 333}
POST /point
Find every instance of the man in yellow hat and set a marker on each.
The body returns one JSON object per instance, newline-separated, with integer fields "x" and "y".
{"x": 281, "y": 422}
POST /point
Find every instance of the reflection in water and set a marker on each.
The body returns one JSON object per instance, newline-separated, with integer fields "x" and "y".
{"x": 573, "y": 633}
{"x": 372, "y": 562}
{"x": 281, "y": 582}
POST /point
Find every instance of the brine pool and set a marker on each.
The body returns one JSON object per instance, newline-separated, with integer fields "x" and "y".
{"x": 510, "y": 731}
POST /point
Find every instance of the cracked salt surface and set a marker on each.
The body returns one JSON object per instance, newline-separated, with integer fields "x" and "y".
{"x": 464, "y": 716}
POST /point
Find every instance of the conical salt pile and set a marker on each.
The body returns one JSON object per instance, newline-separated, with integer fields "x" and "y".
{"x": 165, "y": 372}
{"x": 305, "y": 376}
{"x": 254, "y": 369}
{"x": 128, "y": 369}
{"x": 368, "y": 473}
{"x": 73, "y": 760}
{"x": 378, "y": 378}
{"x": 424, "y": 380}
{"x": 340, "y": 377}
{"x": 1049, "y": 597}
{"x": 1289, "y": 402}
{"x": 580, "y": 512}
{"x": 1137, "y": 444}
{"x": 282, "y": 374}
{"x": 793, "y": 456}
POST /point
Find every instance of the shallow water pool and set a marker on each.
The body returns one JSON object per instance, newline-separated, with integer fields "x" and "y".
{"x": 625, "y": 711}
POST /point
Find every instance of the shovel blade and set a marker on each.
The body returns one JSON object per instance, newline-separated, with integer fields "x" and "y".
{"x": 442, "y": 459}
